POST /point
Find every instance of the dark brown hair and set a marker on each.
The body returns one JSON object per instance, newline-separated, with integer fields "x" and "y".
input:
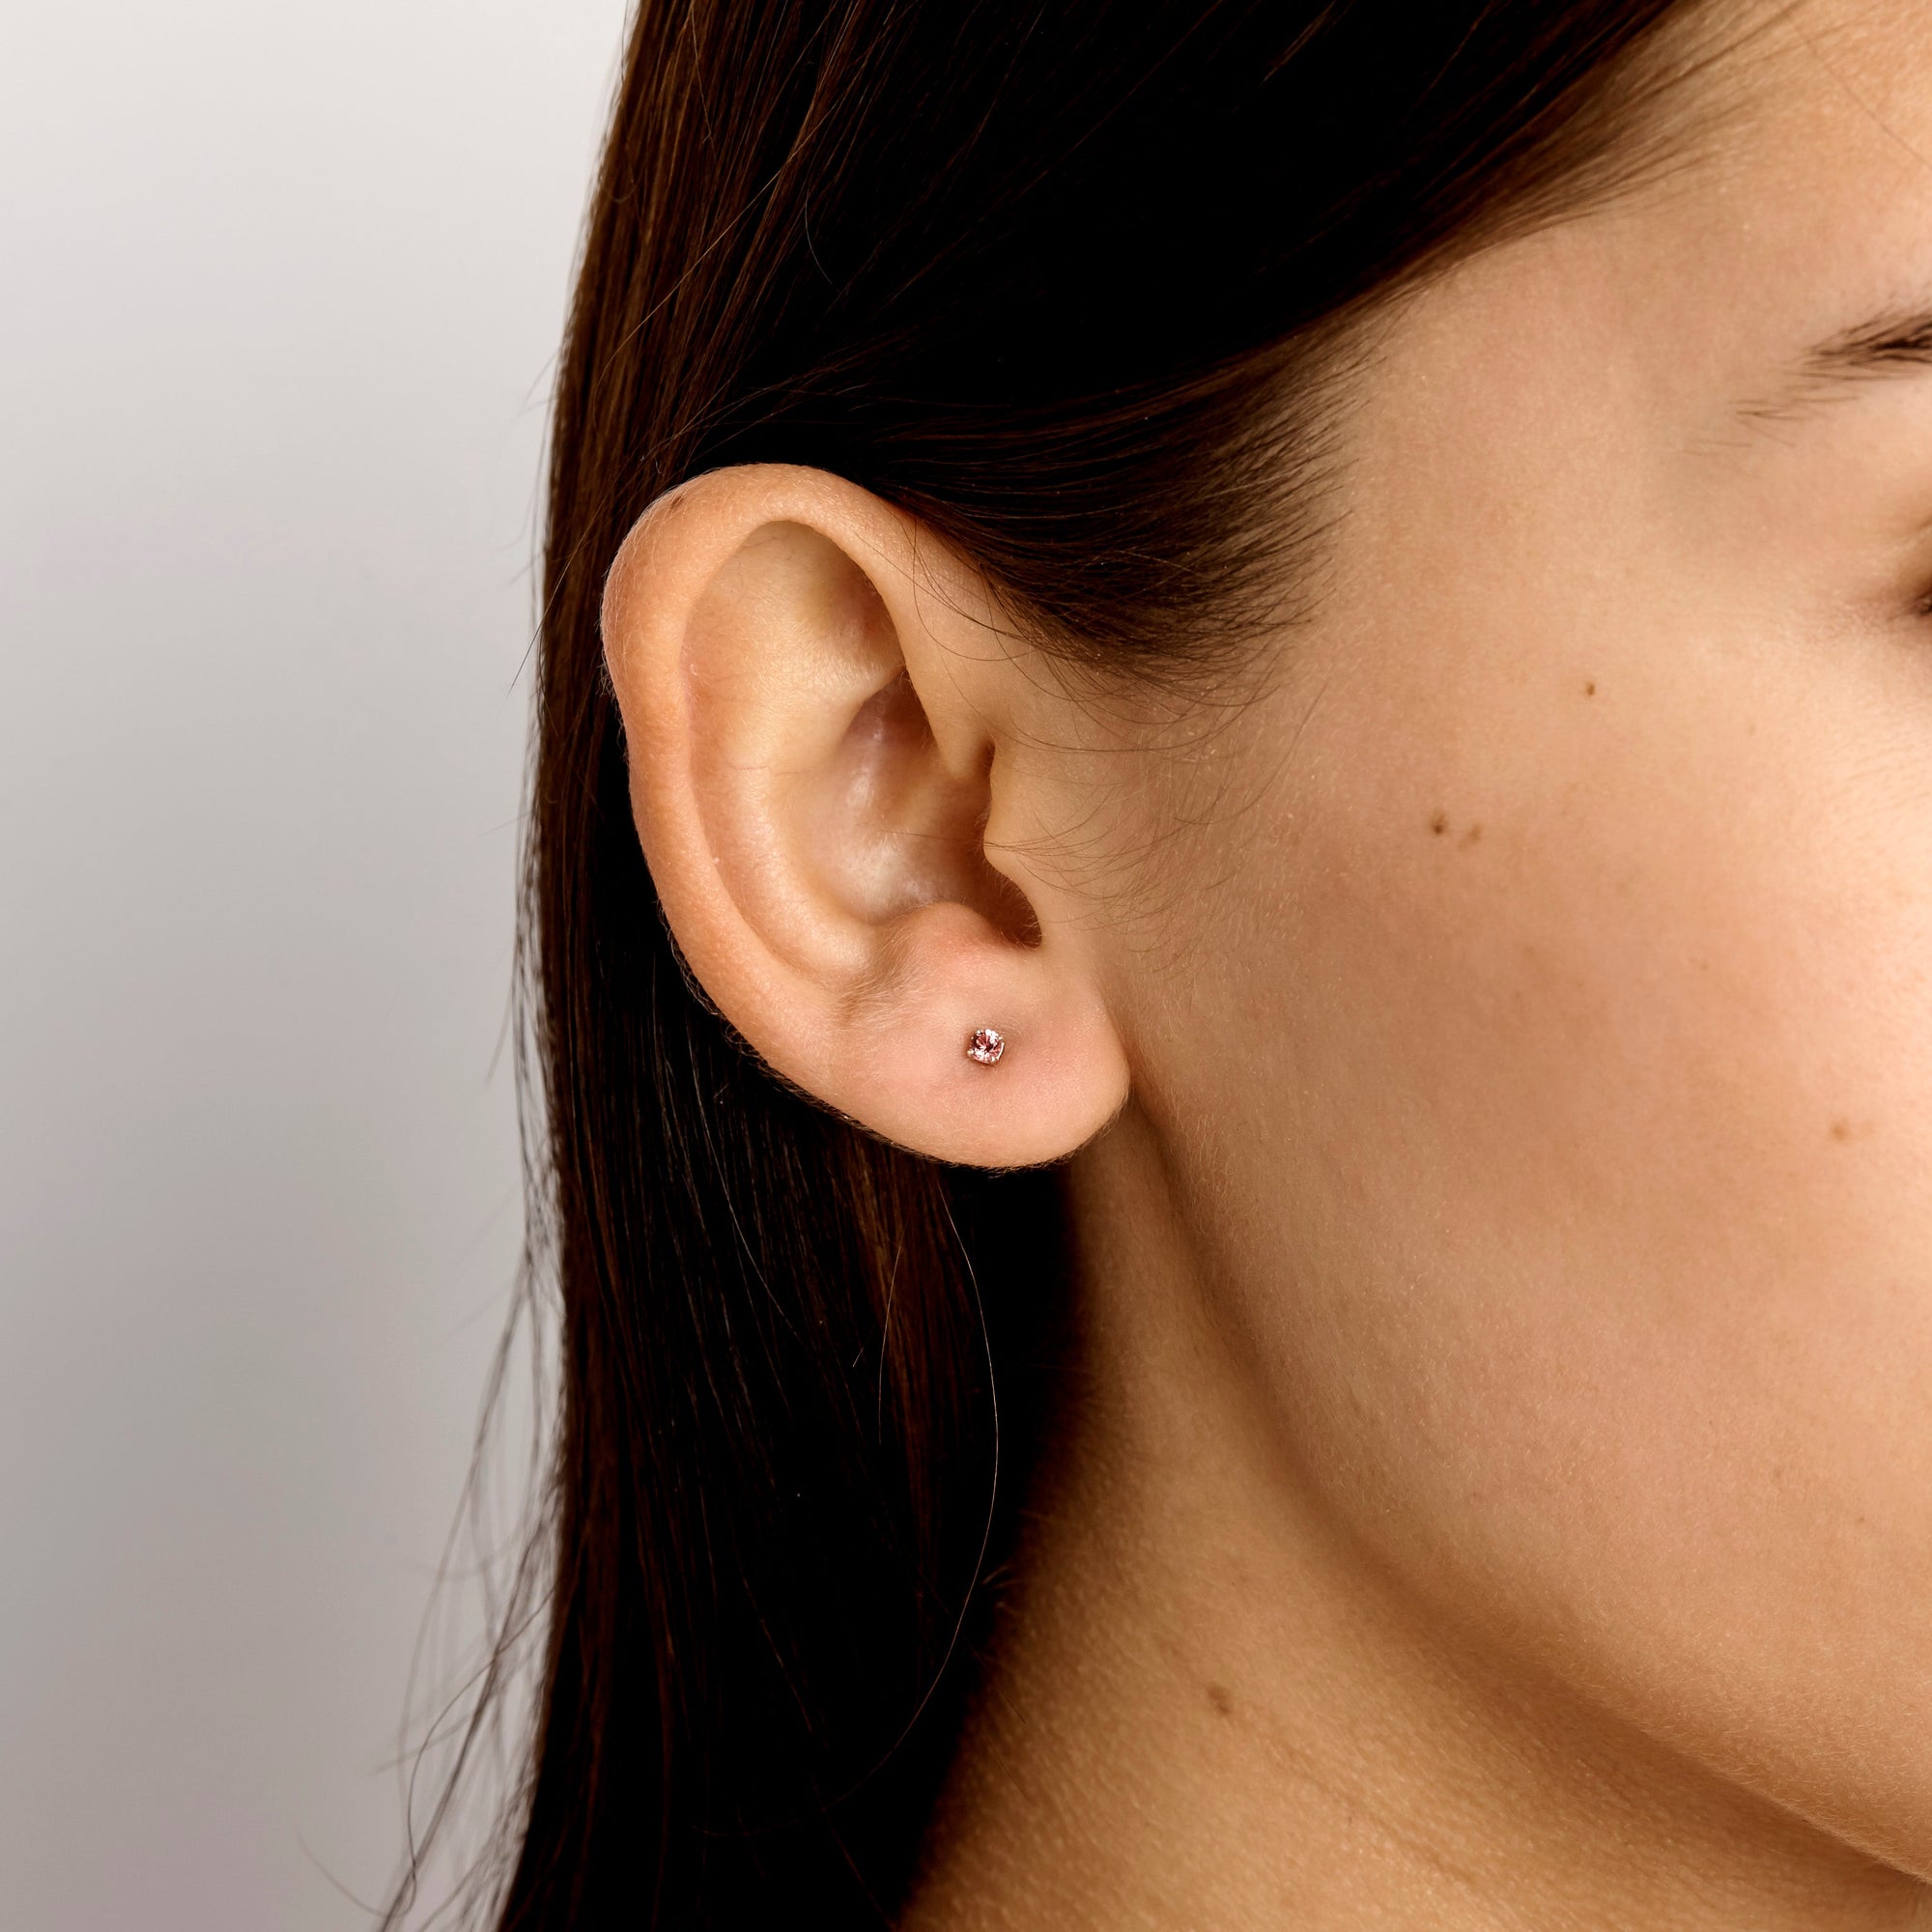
{"x": 1051, "y": 278}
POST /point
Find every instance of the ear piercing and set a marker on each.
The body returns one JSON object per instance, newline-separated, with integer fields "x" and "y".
{"x": 985, "y": 1047}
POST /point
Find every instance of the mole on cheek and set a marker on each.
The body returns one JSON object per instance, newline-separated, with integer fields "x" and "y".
{"x": 1218, "y": 1697}
{"x": 1439, "y": 823}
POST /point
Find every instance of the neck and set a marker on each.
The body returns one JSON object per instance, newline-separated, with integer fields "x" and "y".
{"x": 1204, "y": 1708}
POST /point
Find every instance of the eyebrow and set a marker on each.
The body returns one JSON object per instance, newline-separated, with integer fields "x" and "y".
{"x": 1875, "y": 349}
{"x": 1890, "y": 345}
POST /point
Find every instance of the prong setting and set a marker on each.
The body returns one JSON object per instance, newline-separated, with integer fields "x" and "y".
{"x": 985, "y": 1047}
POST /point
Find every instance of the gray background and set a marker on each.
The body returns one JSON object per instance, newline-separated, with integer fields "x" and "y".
{"x": 282, "y": 283}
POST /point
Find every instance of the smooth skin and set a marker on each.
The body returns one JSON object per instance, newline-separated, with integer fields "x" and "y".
{"x": 1495, "y": 1059}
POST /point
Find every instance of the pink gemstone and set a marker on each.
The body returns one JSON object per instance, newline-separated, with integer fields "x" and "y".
{"x": 985, "y": 1047}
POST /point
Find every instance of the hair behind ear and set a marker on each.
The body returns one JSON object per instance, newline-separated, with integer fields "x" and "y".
{"x": 778, "y": 1458}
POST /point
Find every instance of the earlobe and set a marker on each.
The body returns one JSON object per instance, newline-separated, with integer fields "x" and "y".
{"x": 816, "y": 707}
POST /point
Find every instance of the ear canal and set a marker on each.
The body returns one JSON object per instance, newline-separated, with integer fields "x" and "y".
{"x": 890, "y": 827}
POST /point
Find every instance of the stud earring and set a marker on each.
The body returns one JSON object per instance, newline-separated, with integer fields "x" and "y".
{"x": 985, "y": 1047}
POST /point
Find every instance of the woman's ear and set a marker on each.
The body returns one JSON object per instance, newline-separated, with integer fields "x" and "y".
{"x": 820, "y": 716}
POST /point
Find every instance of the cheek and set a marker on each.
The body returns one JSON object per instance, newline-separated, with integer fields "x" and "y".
{"x": 1573, "y": 1193}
